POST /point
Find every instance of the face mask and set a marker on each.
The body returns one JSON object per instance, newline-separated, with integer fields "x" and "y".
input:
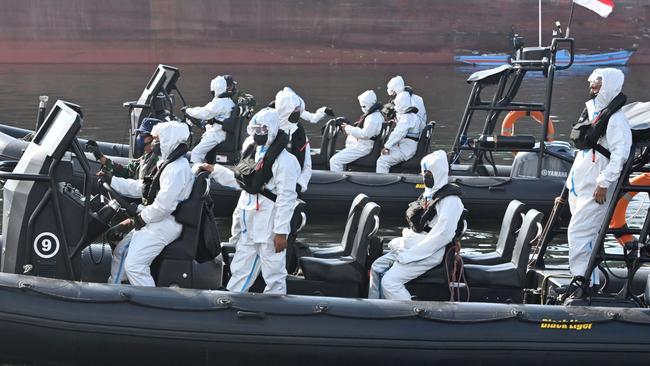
{"x": 364, "y": 109}
{"x": 260, "y": 140}
{"x": 155, "y": 148}
{"x": 592, "y": 94}
{"x": 294, "y": 117}
{"x": 428, "y": 179}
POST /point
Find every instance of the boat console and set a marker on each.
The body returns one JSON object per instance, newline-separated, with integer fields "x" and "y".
{"x": 48, "y": 222}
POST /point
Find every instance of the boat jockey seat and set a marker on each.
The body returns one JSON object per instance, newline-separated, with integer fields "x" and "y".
{"x": 424, "y": 145}
{"x": 345, "y": 276}
{"x": 189, "y": 260}
{"x": 345, "y": 246}
{"x": 434, "y": 284}
{"x": 320, "y": 159}
{"x": 298, "y": 222}
{"x": 229, "y": 150}
{"x": 368, "y": 163}
{"x": 505, "y": 282}
{"x": 510, "y": 226}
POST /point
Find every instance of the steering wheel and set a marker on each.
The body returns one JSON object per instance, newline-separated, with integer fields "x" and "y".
{"x": 130, "y": 209}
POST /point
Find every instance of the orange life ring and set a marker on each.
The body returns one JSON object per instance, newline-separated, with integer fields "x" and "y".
{"x": 508, "y": 125}
{"x": 618, "y": 219}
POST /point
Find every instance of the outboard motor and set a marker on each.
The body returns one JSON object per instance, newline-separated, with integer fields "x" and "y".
{"x": 525, "y": 163}
{"x": 46, "y": 221}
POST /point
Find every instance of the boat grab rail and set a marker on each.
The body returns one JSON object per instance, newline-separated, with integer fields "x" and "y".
{"x": 20, "y": 176}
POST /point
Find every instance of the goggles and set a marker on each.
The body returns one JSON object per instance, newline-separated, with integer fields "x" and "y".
{"x": 257, "y": 130}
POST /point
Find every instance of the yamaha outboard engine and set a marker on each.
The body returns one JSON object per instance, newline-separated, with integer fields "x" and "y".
{"x": 555, "y": 165}
{"x": 46, "y": 221}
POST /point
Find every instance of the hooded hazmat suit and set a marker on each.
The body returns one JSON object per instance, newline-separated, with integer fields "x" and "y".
{"x": 591, "y": 170}
{"x": 396, "y": 86}
{"x": 402, "y": 141}
{"x": 260, "y": 218}
{"x": 359, "y": 143}
{"x": 413, "y": 253}
{"x": 218, "y": 108}
{"x": 287, "y": 102}
{"x": 134, "y": 254}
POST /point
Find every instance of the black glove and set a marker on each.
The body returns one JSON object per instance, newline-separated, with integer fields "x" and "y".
{"x": 91, "y": 147}
{"x": 104, "y": 177}
{"x": 116, "y": 233}
{"x": 329, "y": 111}
{"x": 138, "y": 222}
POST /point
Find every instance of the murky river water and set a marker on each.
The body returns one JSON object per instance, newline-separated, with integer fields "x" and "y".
{"x": 101, "y": 90}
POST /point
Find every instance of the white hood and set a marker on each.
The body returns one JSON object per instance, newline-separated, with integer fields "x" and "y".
{"x": 218, "y": 85}
{"x": 171, "y": 134}
{"x": 266, "y": 117}
{"x": 367, "y": 99}
{"x": 612, "y": 85}
{"x": 402, "y": 102}
{"x": 286, "y": 102}
{"x": 395, "y": 85}
{"x": 436, "y": 163}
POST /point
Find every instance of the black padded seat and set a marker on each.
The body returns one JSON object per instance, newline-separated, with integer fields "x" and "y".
{"x": 505, "y": 281}
{"x": 344, "y": 248}
{"x": 424, "y": 145}
{"x": 320, "y": 158}
{"x": 344, "y": 276}
{"x": 177, "y": 263}
{"x": 368, "y": 163}
{"x": 510, "y": 226}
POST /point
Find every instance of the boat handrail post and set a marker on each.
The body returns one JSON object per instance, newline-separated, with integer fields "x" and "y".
{"x": 547, "y": 116}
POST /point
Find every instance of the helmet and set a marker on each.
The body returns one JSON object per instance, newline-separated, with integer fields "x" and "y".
{"x": 147, "y": 125}
{"x": 144, "y": 130}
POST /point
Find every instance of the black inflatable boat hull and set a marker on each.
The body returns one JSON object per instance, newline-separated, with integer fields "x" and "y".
{"x": 330, "y": 193}
{"x": 56, "y": 321}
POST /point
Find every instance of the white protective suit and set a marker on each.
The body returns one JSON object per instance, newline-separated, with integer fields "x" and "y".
{"x": 396, "y": 86}
{"x": 400, "y": 141}
{"x": 134, "y": 254}
{"x": 591, "y": 169}
{"x": 413, "y": 254}
{"x": 219, "y": 109}
{"x": 286, "y": 102}
{"x": 359, "y": 143}
{"x": 260, "y": 218}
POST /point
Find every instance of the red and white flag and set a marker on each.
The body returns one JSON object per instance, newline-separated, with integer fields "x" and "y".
{"x": 602, "y": 7}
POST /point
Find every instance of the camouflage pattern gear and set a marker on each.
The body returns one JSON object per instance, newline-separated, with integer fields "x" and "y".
{"x": 140, "y": 168}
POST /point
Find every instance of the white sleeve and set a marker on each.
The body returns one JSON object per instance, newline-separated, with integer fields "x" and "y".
{"x": 285, "y": 173}
{"x": 204, "y": 113}
{"x": 305, "y": 174}
{"x": 371, "y": 128}
{"x": 128, "y": 187}
{"x": 399, "y": 132}
{"x": 619, "y": 141}
{"x": 172, "y": 185}
{"x": 313, "y": 117}
{"x": 442, "y": 233}
{"x": 224, "y": 176}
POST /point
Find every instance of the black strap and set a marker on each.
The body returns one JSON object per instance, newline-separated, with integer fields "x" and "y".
{"x": 252, "y": 176}
{"x": 416, "y": 139}
{"x": 150, "y": 192}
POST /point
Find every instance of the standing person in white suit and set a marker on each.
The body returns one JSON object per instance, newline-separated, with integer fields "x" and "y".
{"x": 218, "y": 110}
{"x": 396, "y": 86}
{"x": 593, "y": 173}
{"x": 402, "y": 142}
{"x": 418, "y": 251}
{"x": 361, "y": 135}
{"x": 154, "y": 227}
{"x": 267, "y": 174}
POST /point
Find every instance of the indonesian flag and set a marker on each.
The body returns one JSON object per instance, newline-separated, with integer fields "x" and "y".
{"x": 602, "y": 7}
